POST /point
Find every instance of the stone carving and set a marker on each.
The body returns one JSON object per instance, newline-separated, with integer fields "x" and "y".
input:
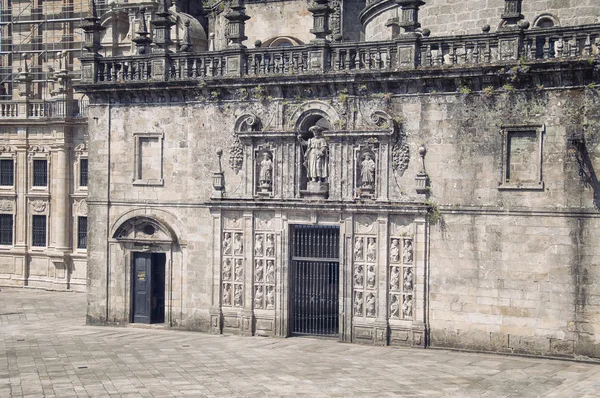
{"x": 233, "y": 220}
{"x": 238, "y": 244}
{"x": 371, "y": 276}
{"x": 82, "y": 208}
{"x": 226, "y": 294}
{"x": 400, "y": 156}
{"x": 335, "y": 19}
{"x": 81, "y": 147}
{"x": 258, "y": 271}
{"x": 365, "y": 224}
{"x": 270, "y": 274}
{"x": 239, "y": 270}
{"x": 33, "y": 149}
{"x": 39, "y": 205}
{"x": 407, "y": 305}
{"x": 227, "y": 243}
{"x": 367, "y": 172}
{"x": 258, "y": 245}
{"x": 395, "y": 278}
{"x": 227, "y": 269}
{"x": 371, "y": 305}
{"x": 394, "y": 307}
{"x": 358, "y": 275}
{"x": 6, "y": 205}
{"x": 236, "y": 154}
{"x": 270, "y": 297}
{"x": 358, "y": 303}
{"x": 270, "y": 246}
{"x": 395, "y": 251}
{"x": 316, "y": 161}
{"x": 237, "y": 297}
{"x": 265, "y": 173}
{"x": 408, "y": 280}
{"x": 264, "y": 220}
{"x": 6, "y": 149}
{"x": 358, "y": 249}
{"x": 258, "y": 297}
{"x": 407, "y": 256}
{"x": 371, "y": 249}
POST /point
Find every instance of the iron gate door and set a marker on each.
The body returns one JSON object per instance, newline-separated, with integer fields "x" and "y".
{"x": 315, "y": 280}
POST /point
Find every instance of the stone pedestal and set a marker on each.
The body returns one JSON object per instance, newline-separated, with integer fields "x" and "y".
{"x": 316, "y": 190}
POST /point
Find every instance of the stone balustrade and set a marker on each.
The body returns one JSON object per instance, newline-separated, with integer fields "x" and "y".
{"x": 31, "y": 109}
{"x": 403, "y": 53}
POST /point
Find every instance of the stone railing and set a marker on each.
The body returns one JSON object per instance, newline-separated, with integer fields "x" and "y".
{"x": 404, "y": 53}
{"x": 32, "y": 109}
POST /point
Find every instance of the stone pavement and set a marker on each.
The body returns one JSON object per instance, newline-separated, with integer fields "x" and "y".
{"x": 47, "y": 351}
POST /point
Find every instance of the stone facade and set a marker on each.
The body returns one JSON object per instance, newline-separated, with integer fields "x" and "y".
{"x": 455, "y": 174}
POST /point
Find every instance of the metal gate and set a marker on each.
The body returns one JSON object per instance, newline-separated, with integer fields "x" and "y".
{"x": 315, "y": 280}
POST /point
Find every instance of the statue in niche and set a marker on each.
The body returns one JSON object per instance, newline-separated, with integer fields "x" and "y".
{"x": 270, "y": 297}
{"x": 407, "y": 256}
{"x": 258, "y": 245}
{"x": 270, "y": 246}
{"x": 358, "y": 249}
{"x": 358, "y": 275}
{"x": 395, "y": 251}
{"x": 227, "y": 243}
{"x": 358, "y": 303}
{"x": 316, "y": 162}
{"x": 395, "y": 279}
{"x": 258, "y": 271}
{"x": 237, "y": 298}
{"x": 394, "y": 307}
{"x": 226, "y": 294}
{"x": 371, "y": 305}
{"x": 408, "y": 280}
{"x": 367, "y": 172}
{"x": 238, "y": 244}
{"x": 239, "y": 270}
{"x": 227, "y": 269}
{"x": 265, "y": 174}
{"x": 371, "y": 276}
{"x": 258, "y": 297}
{"x": 407, "y": 307}
{"x": 270, "y": 271}
{"x": 371, "y": 249}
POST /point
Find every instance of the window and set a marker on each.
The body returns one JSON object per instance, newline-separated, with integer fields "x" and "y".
{"x": 522, "y": 165}
{"x": 148, "y": 159}
{"x": 6, "y": 229}
{"x": 38, "y": 231}
{"x": 83, "y": 172}
{"x": 82, "y": 232}
{"x": 7, "y": 172}
{"x": 40, "y": 173}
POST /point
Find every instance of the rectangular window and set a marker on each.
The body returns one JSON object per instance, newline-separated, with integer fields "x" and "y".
{"x": 6, "y": 229}
{"x": 38, "y": 231}
{"x": 82, "y": 233}
{"x": 83, "y": 173}
{"x": 7, "y": 172}
{"x": 522, "y": 163}
{"x": 40, "y": 173}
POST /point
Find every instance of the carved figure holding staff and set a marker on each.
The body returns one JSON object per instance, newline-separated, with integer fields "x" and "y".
{"x": 316, "y": 156}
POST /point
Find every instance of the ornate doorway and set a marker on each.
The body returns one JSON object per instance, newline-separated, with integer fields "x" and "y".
{"x": 148, "y": 290}
{"x": 314, "y": 280}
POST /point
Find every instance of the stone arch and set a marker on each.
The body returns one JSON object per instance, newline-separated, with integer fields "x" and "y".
{"x": 546, "y": 20}
{"x": 166, "y": 226}
{"x": 310, "y": 113}
{"x": 280, "y": 41}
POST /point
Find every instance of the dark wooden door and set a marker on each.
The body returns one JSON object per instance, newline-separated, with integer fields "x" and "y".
{"x": 142, "y": 287}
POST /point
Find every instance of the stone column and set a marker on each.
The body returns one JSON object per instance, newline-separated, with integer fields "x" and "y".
{"x": 61, "y": 215}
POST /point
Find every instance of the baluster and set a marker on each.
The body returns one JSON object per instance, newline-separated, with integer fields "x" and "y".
{"x": 574, "y": 48}
{"x": 357, "y": 59}
{"x": 587, "y": 47}
{"x": 440, "y": 54}
{"x": 559, "y": 50}
{"x": 347, "y": 59}
{"x": 388, "y": 58}
{"x": 476, "y": 53}
{"x": 428, "y": 57}
{"x": 463, "y": 55}
{"x": 546, "y": 49}
{"x": 378, "y": 58}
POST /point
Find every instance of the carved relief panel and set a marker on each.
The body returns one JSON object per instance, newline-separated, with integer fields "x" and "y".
{"x": 401, "y": 272}
{"x": 232, "y": 263}
{"x": 365, "y": 268}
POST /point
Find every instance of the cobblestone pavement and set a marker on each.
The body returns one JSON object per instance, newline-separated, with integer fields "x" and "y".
{"x": 47, "y": 351}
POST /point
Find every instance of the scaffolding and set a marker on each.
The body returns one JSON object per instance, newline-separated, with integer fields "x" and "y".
{"x": 43, "y": 33}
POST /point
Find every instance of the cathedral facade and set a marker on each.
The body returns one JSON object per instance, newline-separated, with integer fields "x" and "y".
{"x": 344, "y": 169}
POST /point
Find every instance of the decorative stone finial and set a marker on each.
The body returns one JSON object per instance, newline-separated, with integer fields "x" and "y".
{"x": 320, "y": 10}
{"x": 219, "y": 179}
{"x": 162, "y": 27}
{"x": 409, "y": 20}
{"x": 236, "y": 24}
{"x": 512, "y": 14}
{"x": 422, "y": 178}
{"x": 142, "y": 41}
{"x": 187, "y": 39}
{"x": 92, "y": 29}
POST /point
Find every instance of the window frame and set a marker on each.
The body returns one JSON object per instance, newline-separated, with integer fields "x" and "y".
{"x": 12, "y": 229}
{"x": 507, "y": 130}
{"x": 34, "y": 242}
{"x": 11, "y": 160}
{"x": 79, "y": 233}
{"x": 137, "y": 166}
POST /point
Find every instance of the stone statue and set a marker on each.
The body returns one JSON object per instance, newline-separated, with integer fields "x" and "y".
{"x": 258, "y": 271}
{"x": 227, "y": 243}
{"x": 239, "y": 270}
{"x": 270, "y": 297}
{"x": 270, "y": 271}
{"x": 238, "y": 244}
{"x": 226, "y": 294}
{"x": 371, "y": 276}
{"x": 395, "y": 279}
{"x": 237, "y": 299}
{"x": 407, "y": 257}
{"x": 358, "y": 303}
{"x": 371, "y": 249}
{"x": 258, "y": 245}
{"x": 265, "y": 174}
{"x": 408, "y": 280}
{"x": 358, "y": 249}
{"x": 407, "y": 307}
{"x": 394, "y": 307}
{"x": 270, "y": 246}
{"x": 227, "y": 269}
{"x": 367, "y": 172}
{"x": 371, "y": 305}
{"x": 316, "y": 157}
{"x": 358, "y": 275}
{"x": 395, "y": 251}
{"x": 258, "y": 297}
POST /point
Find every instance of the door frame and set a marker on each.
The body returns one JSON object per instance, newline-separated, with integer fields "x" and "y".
{"x": 153, "y": 263}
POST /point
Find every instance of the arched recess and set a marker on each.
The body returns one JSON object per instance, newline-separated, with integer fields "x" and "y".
{"x": 314, "y": 112}
{"x": 162, "y": 220}
{"x": 282, "y": 41}
{"x": 546, "y": 20}
{"x": 145, "y": 229}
